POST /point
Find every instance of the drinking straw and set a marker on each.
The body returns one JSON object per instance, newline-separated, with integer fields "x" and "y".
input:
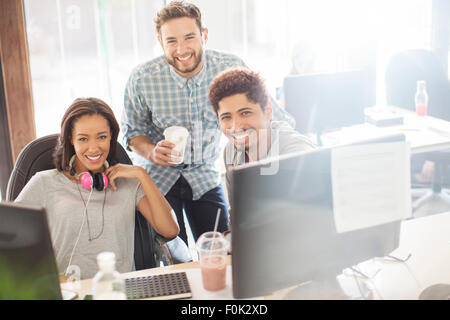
{"x": 215, "y": 228}
{"x": 217, "y": 220}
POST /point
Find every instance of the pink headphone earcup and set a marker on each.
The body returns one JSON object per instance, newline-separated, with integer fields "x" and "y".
{"x": 105, "y": 181}
{"x": 86, "y": 180}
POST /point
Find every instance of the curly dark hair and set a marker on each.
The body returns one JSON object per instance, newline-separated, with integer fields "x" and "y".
{"x": 178, "y": 9}
{"x": 64, "y": 149}
{"x": 235, "y": 81}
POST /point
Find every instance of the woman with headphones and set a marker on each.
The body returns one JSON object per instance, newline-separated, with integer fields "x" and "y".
{"x": 84, "y": 222}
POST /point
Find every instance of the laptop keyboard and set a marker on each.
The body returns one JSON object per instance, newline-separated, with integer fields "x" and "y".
{"x": 163, "y": 286}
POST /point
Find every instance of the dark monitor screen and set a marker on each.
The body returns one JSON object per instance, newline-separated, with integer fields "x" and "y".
{"x": 27, "y": 264}
{"x": 329, "y": 101}
{"x": 283, "y": 228}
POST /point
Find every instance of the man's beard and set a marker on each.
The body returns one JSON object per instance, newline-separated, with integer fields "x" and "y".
{"x": 198, "y": 59}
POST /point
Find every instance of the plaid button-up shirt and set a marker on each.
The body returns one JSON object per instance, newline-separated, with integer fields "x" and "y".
{"x": 156, "y": 97}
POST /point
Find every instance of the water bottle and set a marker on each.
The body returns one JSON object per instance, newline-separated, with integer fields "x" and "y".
{"x": 421, "y": 98}
{"x": 107, "y": 283}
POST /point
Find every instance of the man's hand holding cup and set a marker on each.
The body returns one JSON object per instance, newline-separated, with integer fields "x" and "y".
{"x": 162, "y": 153}
{"x": 170, "y": 152}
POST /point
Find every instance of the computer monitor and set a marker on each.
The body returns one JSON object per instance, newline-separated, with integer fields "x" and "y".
{"x": 283, "y": 227}
{"x": 328, "y": 101}
{"x": 27, "y": 264}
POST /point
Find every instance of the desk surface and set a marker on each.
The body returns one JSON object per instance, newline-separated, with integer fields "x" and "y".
{"x": 425, "y": 134}
{"x": 427, "y": 239}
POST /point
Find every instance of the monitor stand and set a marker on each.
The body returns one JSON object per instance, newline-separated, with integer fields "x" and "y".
{"x": 329, "y": 289}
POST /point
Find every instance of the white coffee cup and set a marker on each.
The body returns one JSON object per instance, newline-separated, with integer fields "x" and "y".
{"x": 178, "y": 136}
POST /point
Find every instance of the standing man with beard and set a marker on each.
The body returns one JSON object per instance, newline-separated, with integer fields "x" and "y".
{"x": 173, "y": 90}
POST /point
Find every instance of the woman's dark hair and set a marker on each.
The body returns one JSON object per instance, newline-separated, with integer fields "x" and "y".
{"x": 64, "y": 149}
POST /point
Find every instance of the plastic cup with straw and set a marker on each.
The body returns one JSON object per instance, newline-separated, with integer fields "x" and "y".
{"x": 212, "y": 248}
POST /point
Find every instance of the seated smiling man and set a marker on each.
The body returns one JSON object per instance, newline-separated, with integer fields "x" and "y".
{"x": 241, "y": 102}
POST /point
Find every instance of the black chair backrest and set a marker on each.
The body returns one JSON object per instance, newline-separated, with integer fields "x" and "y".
{"x": 35, "y": 156}
{"x": 402, "y": 73}
{"x": 38, "y": 156}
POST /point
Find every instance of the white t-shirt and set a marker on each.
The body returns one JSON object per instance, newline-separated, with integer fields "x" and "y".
{"x": 113, "y": 224}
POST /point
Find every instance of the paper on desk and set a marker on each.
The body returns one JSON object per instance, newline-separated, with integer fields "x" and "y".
{"x": 194, "y": 276}
{"x": 371, "y": 184}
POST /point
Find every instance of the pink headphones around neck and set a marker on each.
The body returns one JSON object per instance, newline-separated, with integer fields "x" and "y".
{"x": 90, "y": 180}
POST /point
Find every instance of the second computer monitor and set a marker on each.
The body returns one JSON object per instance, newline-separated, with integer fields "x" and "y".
{"x": 328, "y": 101}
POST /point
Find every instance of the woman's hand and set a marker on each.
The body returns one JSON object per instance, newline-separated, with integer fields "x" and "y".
{"x": 154, "y": 205}
{"x": 123, "y": 171}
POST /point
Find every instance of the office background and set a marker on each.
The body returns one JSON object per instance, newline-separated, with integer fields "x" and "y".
{"x": 69, "y": 48}
{"x": 87, "y": 48}
{"x": 52, "y": 51}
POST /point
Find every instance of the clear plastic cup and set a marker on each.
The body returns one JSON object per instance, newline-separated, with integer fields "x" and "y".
{"x": 178, "y": 136}
{"x": 212, "y": 249}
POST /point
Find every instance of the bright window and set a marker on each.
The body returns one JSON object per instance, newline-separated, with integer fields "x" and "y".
{"x": 82, "y": 48}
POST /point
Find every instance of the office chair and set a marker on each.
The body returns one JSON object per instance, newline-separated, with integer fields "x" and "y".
{"x": 150, "y": 249}
{"x": 402, "y": 73}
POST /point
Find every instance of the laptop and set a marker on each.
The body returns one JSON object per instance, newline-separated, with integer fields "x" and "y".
{"x": 28, "y": 269}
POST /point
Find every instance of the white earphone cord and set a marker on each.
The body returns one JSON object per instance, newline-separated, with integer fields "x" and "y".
{"x": 79, "y": 233}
